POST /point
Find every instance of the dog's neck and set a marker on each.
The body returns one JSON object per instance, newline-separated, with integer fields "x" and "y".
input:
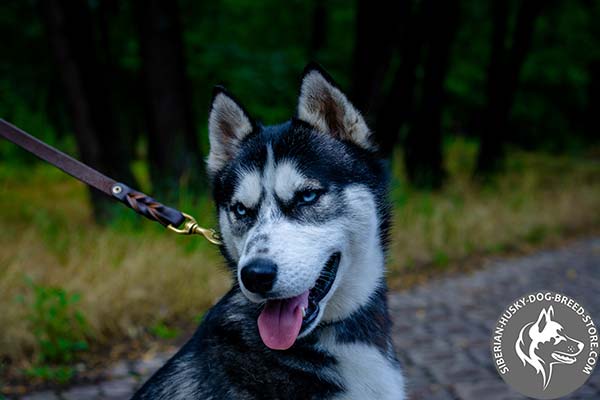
{"x": 370, "y": 324}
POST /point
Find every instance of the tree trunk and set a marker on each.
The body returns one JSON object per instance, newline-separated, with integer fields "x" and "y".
{"x": 378, "y": 25}
{"x": 592, "y": 125}
{"x": 423, "y": 146}
{"x": 174, "y": 154}
{"x": 86, "y": 84}
{"x": 503, "y": 78}
{"x": 318, "y": 36}
{"x": 397, "y": 107}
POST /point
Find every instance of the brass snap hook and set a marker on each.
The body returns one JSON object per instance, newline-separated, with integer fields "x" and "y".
{"x": 191, "y": 227}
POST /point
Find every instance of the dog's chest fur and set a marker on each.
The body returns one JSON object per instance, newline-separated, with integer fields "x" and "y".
{"x": 364, "y": 371}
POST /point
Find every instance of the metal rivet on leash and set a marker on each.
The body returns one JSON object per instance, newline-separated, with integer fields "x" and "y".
{"x": 117, "y": 189}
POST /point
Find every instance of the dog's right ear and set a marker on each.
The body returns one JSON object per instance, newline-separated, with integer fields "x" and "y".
{"x": 228, "y": 125}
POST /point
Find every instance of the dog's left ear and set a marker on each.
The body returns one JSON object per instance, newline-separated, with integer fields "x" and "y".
{"x": 325, "y": 107}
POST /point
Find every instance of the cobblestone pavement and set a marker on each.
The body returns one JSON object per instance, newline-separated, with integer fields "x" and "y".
{"x": 442, "y": 329}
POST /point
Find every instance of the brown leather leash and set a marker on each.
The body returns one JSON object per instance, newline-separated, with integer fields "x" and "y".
{"x": 141, "y": 203}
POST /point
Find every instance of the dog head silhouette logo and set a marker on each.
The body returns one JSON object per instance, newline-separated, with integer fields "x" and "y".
{"x": 544, "y": 343}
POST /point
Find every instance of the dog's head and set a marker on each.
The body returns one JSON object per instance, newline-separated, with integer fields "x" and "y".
{"x": 302, "y": 208}
{"x": 543, "y": 343}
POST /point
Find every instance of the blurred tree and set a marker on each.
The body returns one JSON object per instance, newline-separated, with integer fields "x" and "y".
{"x": 593, "y": 101}
{"x": 377, "y": 28}
{"x": 174, "y": 154}
{"x": 125, "y": 86}
{"x": 86, "y": 81}
{"x": 591, "y": 121}
{"x": 396, "y": 106}
{"x": 318, "y": 36}
{"x": 536, "y": 91}
{"x": 423, "y": 145}
{"x": 503, "y": 78}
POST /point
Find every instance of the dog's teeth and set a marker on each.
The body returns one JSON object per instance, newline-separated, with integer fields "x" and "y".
{"x": 303, "y": 312}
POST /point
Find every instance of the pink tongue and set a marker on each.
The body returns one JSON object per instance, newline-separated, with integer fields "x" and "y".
{"x": 280, "y": 321}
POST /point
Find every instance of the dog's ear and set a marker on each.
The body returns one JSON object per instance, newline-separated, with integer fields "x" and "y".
{"x": 228, "y": 125}
{"x": 325, "y": 107}
{"x": 544, "y": 318}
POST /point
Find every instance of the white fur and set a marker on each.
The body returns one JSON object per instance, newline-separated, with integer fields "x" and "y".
{"x": 316, "y": 94}
{"x": 363, "y": 267}
{"x": 249, "y": 188}
{"x": 299, "y": 250}
{"x": 287, "y": 180}
{"x": 363, "y": 372}
{"x": 183, "y": 385}
{"x": 231, "y": 242}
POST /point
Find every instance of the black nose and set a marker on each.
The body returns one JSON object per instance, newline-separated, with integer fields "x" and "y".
{"x": 259, "y": 276}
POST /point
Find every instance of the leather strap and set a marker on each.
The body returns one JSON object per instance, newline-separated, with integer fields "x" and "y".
{"x": 137, "y": 201}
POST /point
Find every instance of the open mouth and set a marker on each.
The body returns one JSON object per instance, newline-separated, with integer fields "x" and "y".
{"x": 320, "y": 290}
{"x": 281, "y": 320}
{"x": 563, "y": 358}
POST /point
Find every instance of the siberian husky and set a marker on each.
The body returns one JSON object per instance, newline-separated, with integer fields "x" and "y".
{"x": 304, "y": 218}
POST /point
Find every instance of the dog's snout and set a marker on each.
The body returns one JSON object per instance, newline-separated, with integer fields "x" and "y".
{"x": 259, "y": 276}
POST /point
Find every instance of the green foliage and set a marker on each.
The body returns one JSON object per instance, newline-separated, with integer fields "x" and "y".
{"x": 441, "y": 259}
{"x": 162, "y": 331}
{"x": 460, "y": 156}
{"x": 536, "y": 235}
{"x": 199, "y": 318}
{"x": 258, "y": 49}
{"x": 1, "y": 384}
{"x": 59, "y": 329}
{"x": 57, "y": 374}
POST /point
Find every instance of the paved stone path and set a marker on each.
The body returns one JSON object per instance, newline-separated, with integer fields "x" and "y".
{"x": 442, "y": 329}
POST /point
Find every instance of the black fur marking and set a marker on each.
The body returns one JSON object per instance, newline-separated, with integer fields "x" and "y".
{"x": 370, "y": 324}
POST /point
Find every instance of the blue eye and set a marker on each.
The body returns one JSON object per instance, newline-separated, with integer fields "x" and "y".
{"x": 240, "y": 210}
{"x": 308, "y": 197}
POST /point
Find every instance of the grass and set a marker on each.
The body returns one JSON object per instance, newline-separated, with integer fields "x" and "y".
{"x": 129, "y": 277}
{"x": 134, "y": 279}
{"x": 540, "y": 197}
